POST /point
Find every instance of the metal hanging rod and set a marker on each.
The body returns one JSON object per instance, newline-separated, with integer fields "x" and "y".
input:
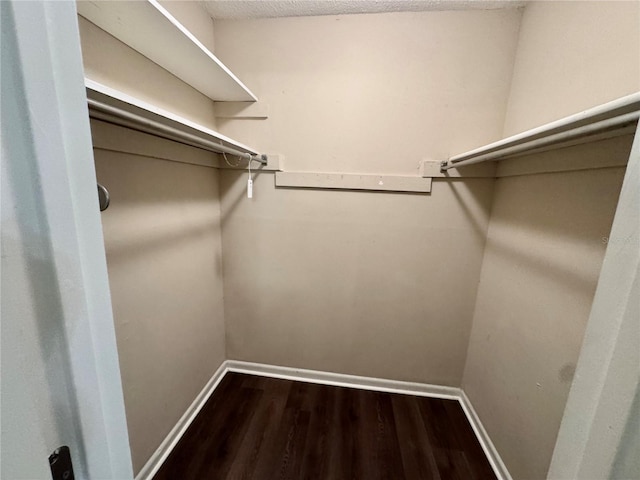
{"x": 609, "y": 117}
{"x": 585, "y": 131}
{"x": 102, "y": 111}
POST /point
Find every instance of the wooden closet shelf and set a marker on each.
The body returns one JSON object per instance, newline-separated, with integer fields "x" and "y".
{"x": 111, "y": 105}
{"x": 151, "y": 30}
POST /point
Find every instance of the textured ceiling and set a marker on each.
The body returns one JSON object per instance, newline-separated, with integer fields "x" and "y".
{"x": 220, "y": 9}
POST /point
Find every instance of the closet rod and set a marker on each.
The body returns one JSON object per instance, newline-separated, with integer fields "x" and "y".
{"x": 169, "y": 132}
{"x": 618, "y": 122}
{"x": 610, "y": 115}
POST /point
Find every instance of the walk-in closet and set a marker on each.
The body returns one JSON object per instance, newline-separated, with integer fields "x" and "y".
{"x": 329, "y": 240}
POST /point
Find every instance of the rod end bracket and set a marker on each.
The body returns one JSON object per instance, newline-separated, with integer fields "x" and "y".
{"x": 262, "y": 158}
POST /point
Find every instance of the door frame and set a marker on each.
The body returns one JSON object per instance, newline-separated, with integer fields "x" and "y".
{"x": 47, "y": 44}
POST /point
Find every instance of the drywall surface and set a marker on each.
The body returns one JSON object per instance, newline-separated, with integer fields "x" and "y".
{"x": 378, "y": 284}
{"x": 372, "y": 93}
{"x": 110, "y": 62}
{"x": 573, "y": 56}
{"x": 162, "y": 238}
{"x": 545, "y": 245}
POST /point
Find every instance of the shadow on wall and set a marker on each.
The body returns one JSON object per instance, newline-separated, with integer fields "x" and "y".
{"x": 573, "y": 206}
{"x": 546, "y": 213}
{"x": 171, "y": 205}
{"x": 563, "y": 272}
{"x": 151, "y": 245}
{"x": 160, "y": 197}
{"x": 150, "y": 179}
{"x": 476, "y": 225}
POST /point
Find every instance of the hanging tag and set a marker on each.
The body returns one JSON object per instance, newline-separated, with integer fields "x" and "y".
{"x": 249, "y": 188}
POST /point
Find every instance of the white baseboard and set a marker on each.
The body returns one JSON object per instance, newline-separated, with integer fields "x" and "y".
{"x": 383, "y": 385}
{"x": 162, "y": 452}
{"x": 489, "y": 448}
{"x": 323, "y": 378}
{"x": 343, "y": 380}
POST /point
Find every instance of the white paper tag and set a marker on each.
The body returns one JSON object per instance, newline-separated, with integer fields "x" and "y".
{"x": 249, "y": 188}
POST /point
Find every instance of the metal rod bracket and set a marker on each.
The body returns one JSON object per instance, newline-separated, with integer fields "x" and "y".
{"x": 262, "y": 158}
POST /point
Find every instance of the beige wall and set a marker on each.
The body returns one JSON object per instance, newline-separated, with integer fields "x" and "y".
{"x": 353, "y": 282}
{"x": 162, "y": 237}
{"x": 372, "y": 93}
{"x": 545, "y": 242}
{"x": 359, "y": 282}
{"x": 545, "y": 246}
{"x": 110, "y": 62}
{"x": 572, "y": 56}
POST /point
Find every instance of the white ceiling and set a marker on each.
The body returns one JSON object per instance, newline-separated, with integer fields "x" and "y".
{"x": 227, "y": 9}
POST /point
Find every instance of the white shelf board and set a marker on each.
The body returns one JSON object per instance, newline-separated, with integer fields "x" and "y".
{"x": 126, "y": 103}
{"x": 150, "y": 29}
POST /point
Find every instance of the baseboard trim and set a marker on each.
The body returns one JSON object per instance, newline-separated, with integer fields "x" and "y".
{"x": 344, "y": 380}
{"x": 323, "y": 378}
{"x": 171, "y": 440}
{"x": 489, "y": 448}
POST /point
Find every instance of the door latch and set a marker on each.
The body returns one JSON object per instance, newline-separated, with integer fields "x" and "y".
{"x": 60, "y": 463}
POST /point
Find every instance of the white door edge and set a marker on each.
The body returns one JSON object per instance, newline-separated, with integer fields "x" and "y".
{"x": 48, "y": 45}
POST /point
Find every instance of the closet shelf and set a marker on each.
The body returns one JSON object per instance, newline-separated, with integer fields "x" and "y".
{"x": 113, "y": 106}
{"x": 618, "y": 117}
{"x": 150, "y": 29}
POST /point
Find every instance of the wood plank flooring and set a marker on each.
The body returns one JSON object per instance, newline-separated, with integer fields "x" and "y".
{"x": 266, "y": 429}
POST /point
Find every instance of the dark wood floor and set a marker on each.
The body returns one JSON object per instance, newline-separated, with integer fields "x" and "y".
{"x": 267, "y": 429}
